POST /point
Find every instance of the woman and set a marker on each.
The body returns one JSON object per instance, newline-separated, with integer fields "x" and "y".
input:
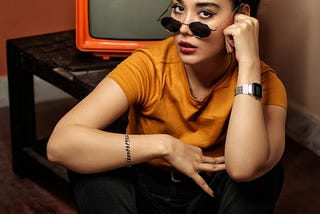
{"x": 206, "y": 122}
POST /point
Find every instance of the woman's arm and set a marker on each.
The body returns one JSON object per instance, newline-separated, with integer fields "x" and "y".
{"x": 255, "y": 139}
{"x": 256, "y": 133}
{"x": 79, "y": 143}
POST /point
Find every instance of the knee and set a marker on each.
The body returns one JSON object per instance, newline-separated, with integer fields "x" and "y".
{"x": 104, "y": 191}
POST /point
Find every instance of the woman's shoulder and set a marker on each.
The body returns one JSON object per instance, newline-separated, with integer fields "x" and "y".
{"x": 266, "y": 67}
{"x": 274, "y": 89}
{"x": 161, "y": 51}
{"x": 269, "y": 73}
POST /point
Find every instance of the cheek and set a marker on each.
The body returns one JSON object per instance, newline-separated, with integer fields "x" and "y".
{"x": 215, "y": 43}
{"x": 218, "y": 36}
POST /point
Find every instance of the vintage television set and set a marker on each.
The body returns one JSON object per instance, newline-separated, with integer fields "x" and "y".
{"x": 115, "y": 28}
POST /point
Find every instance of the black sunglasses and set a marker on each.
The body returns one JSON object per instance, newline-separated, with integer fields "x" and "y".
{"x": 200, "y": 30}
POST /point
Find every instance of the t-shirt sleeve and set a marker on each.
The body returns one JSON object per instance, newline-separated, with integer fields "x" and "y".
{"x": 134, "y": 76}
{"x": 274, "y": 92}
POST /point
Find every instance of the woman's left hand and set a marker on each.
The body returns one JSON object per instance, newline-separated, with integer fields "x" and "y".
{"x": 242, "y": 37}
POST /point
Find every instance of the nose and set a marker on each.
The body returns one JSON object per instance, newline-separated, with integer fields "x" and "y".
{"x": 185, "y": 30}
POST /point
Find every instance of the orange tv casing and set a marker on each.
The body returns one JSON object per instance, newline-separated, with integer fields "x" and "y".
{"x": 100, "y": 47}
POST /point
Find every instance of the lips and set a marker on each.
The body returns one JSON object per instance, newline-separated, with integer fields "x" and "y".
{"x": 186, "y": 44}
{"x": 186, "y": 47}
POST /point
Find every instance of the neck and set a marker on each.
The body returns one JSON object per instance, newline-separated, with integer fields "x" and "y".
{"x": 206, "y": 74}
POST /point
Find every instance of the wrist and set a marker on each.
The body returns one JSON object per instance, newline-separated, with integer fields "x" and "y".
{"x": 249, "y": 73}
{"x": 166, "y": 146}
{"x": 254, "y": 90}
{"x": 148, "y": 147}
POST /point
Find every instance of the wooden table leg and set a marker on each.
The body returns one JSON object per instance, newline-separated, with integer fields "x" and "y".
{"x": 22, "y": 110}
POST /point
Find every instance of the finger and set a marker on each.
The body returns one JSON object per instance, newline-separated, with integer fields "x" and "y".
{"x": 207, "y": 159}
{"x": 212, "y": 167}
{"x": 229, "y": 47}
{"x": 202, "y": 183}
{"x": 229, "y": 41}
{"x": 246, "y": 21}
{"x": 219, "y": 159}
{"x": 240, "y": 16}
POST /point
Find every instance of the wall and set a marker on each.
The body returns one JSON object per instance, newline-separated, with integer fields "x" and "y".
{"x": 290, "y": 42}
{"x": 22, "y": 18}
{"x": 19, "y": 18}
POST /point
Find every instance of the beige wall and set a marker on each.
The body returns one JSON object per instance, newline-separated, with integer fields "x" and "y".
{"x": 20, "y": 18}
{"x": 290, "y": 42}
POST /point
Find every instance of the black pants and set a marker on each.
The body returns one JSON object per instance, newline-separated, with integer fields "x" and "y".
{"x": 146, "y": 190}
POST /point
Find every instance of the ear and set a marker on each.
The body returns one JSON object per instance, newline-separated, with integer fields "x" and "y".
{"x": 245, "y": 9}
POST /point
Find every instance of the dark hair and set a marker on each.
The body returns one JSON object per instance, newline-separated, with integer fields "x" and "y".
{"x": 254, "y": 4}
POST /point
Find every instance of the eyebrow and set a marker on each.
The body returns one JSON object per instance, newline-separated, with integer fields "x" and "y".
{"x": 203, "y": 4}
{"x": 206, "y": 4}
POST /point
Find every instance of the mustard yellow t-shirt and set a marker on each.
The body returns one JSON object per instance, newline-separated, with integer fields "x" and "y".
{"x": 155, "y": 83}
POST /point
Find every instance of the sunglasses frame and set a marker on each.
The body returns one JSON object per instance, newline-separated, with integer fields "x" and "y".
{"x": 179, "y": 24}
{"x": 194, "y": 29}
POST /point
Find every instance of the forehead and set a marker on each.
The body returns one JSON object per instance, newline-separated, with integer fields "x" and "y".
{"x": 202, "y": 3}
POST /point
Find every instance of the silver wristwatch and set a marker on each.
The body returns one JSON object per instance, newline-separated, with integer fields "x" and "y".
{"x": 254, "y": 90}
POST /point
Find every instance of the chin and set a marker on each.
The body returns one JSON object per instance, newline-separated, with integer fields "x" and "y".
{"x": 190, "y": 59}
{"x": 194, "y": 59}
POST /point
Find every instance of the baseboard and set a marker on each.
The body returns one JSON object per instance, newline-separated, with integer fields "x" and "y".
{"x": 43, "y": 91}
{"x": 4, "y": 95}
{"x": 303, "y": 127}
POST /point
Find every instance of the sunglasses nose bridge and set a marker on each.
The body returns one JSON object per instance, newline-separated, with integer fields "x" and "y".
{"x": 185, "y": 29}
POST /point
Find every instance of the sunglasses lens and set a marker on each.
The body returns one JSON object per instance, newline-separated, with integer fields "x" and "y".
{"x": 171, "y": 24}
{"x": 199, "y": 29}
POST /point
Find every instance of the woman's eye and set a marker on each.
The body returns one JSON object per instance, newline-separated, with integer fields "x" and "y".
{"x": 206, "y": 14}
{"x": 177, "y": 8}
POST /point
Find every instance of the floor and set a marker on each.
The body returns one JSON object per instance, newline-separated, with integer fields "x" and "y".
{"x": 300, "y": 193}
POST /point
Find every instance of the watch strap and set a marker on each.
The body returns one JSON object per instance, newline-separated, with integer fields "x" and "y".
{"x": 254, "y": 90}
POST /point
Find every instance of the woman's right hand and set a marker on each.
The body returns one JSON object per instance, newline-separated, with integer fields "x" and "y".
{"x": 190, "y": 160}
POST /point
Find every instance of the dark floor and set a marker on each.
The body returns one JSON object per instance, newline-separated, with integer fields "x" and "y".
{"x": 300, "y": 194}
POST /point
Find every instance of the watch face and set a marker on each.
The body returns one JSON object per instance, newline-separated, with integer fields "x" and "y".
{"x": 257, "y": 90}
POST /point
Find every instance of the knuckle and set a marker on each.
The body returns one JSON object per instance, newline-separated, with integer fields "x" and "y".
{"x": 203, "y": 184}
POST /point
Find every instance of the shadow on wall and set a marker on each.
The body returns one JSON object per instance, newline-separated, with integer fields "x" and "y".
{"x": 284, "y": 36}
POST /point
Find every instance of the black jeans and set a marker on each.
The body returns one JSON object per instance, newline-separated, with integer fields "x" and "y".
{"x": 146, "y": 190}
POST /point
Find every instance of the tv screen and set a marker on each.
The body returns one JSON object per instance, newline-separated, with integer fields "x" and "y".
{"x": 117, "y": 27}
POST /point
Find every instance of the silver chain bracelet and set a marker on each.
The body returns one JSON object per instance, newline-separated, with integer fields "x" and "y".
{"x": 127, "y": 148}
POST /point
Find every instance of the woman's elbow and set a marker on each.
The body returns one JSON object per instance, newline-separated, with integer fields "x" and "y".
{"x": 243, "y": 173}
{"x": 54, "y": 149}
{"x": 240, "y": 177}
{"x": 52, "y": 152}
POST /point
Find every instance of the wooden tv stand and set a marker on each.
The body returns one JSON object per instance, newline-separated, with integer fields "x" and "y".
{"x": 55, "y": 59}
